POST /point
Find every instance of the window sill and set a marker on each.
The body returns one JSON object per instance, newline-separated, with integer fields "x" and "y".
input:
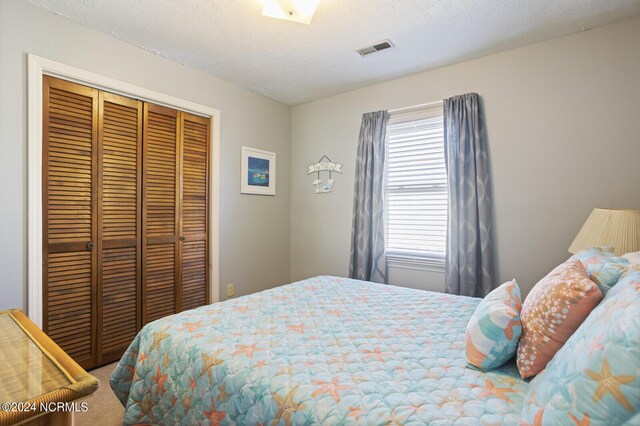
{"x": 433, "y": 264}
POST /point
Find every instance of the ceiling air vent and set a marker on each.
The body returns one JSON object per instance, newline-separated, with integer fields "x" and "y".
{"x": 385, "y": 44}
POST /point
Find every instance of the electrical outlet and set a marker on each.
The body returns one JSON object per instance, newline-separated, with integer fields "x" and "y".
{"x": 229, "y": 290}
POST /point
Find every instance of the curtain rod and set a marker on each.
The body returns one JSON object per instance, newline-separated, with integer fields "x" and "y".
{"x": 427, "y": 105}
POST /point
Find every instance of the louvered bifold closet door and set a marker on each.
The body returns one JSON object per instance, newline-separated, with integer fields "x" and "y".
{"x": 194, "y": 210}
{"x": 70, "y": 126}
{"x": 119, "y": 231}
{"x": 160, "y": 212}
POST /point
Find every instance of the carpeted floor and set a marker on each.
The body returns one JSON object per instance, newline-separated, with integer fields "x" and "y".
{"x": 104, "y": 407}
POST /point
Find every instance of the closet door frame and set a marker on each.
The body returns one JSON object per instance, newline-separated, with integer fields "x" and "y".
{"x": 37, "y": 68}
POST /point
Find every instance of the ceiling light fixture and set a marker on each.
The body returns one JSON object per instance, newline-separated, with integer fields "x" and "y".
{"x": 290, "y": 10}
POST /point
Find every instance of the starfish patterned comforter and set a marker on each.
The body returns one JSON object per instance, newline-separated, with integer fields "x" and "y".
{"x": 326, "y": 350}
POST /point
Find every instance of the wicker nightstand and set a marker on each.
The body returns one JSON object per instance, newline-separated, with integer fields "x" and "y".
{"x": 36, "y": 375}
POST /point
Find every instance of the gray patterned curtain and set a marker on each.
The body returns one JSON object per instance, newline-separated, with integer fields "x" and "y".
{"x": 469, "y": 262}
{"x": 368, "y": 261}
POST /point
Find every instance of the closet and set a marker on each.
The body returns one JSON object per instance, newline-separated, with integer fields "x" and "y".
{"x": 125, "y": 217}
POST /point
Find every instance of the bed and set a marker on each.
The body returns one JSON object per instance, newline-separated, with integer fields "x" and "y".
{"x": 325, "y": 350}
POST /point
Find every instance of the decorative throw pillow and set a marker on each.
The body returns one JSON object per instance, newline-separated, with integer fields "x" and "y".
{"x": 602, "y": 266}
{"x": 494, "y": 329}
{"x": 554, "y": 309}
{"x": 594, "y": 378}
{"x": 633, "y": 258}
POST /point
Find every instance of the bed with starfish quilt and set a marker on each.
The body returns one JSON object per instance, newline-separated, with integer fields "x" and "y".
{"x": 324, "y": 351}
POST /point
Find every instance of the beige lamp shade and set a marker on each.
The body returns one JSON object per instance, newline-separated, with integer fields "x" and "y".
{"x": 619, "y": 229}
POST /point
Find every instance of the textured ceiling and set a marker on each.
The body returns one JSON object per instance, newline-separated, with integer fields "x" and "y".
{"x": 295, "y": 63}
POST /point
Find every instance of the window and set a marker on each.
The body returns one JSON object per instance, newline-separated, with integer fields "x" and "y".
{"x": 416, "y": 187}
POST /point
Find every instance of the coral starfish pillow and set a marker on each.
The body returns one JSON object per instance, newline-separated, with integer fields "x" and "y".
{"x": 594, "y": 378}
{"x": 493, "y": 331}
{"x": 554, "y": 309}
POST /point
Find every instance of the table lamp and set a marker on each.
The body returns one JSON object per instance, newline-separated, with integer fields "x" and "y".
{"x": 617, "y": 228}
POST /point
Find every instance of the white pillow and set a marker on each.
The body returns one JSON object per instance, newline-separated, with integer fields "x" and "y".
{"x": 633, "y": 258}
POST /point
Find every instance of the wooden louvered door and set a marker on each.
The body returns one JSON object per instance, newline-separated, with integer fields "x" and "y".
{"x": 119, "y": 232}
{"x": 125, "y": 217}
{"x": 92, "y": 145}
{"x": 193, "y": 246}
{"x": 175, "y": 212}
{"x": 160, "y": 213}
{"x": 70, "y": 126}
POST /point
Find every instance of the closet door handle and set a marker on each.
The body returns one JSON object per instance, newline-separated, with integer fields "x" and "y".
{"x": 182, "y": 238}
{"x": 91, "y": 245}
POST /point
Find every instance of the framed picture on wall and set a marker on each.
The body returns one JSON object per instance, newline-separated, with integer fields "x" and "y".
{"x": 258, "y": 172}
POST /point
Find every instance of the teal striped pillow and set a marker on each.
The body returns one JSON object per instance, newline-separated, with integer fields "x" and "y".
{"x": 494, "y": 330}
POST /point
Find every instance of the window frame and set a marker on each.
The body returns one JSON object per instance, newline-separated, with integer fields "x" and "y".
{"x": 427, "y": 260}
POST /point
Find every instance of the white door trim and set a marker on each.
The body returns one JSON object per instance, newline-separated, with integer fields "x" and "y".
{"x": 37, "y": 67}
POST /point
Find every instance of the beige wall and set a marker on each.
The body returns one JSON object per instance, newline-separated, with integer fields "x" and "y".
{"x": 563, "y": 121}
{"x": 254, "y": 230}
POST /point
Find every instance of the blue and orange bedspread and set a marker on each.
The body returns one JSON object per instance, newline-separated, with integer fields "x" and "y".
{"x": 325, "y": 351}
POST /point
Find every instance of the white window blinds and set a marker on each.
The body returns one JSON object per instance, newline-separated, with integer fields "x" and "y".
{"x": 416, "y": 186}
